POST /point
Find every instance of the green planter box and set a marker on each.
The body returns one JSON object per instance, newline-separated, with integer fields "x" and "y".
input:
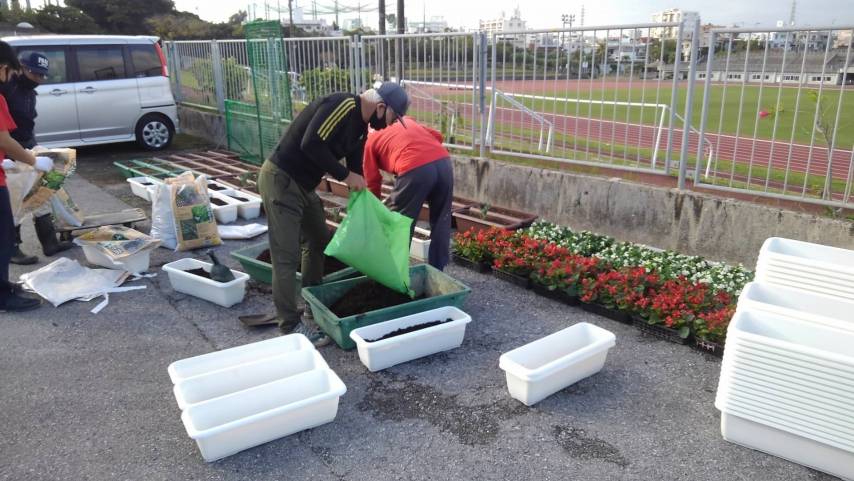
{"x": 441, "y": 289}
{"x": 263, "y": 271}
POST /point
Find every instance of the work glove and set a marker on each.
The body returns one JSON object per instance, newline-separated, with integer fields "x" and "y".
{"x": 44, "y": 164}
{"x": 8, "y": 164}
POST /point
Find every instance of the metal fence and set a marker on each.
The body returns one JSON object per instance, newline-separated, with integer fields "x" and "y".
{"x": 778, "y": 108}
{"x": 766, "y": 112}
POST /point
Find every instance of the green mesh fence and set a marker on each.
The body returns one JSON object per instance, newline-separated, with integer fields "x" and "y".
{"x": 254, "y": 130}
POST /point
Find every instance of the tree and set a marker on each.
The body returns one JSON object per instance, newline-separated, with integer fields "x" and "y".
{"x": 180, "y": 25}
{"x": 65, "y": 20}
{"x": 123, "y": 16}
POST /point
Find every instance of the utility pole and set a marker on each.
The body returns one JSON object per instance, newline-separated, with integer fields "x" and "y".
{"x": 582, "y": 15}
{"x": 291, "y": 18}
{"x": 401, "y": 22}
{"x": 336, "y": 14}
{"x": 791, "y": 13}
{"x": 382, "y": 17}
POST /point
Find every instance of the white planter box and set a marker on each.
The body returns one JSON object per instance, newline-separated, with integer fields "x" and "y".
{"x": 226, "y": 294}
{"x": 227, "y": 358}
{"x": 238, "y": 421}
{"x": 135, "y": 264}
{"x": 797, "y": 449}
{"x": 246, "y": 210}
{"x": 220, "y": 186}
{"x": 143, "y": 187}
{"x": 225, "y": 214}
{"x": 412, "y": 345}
{"x": 545, "y": 366}
{"x": 420, "y": 249}
{"x": 798, "y": 304}
{"x": 789, "y": 369}
{"x": 215, "y": 384}
{"x": 813, "y": 341}
{"x": 813, "y": 256}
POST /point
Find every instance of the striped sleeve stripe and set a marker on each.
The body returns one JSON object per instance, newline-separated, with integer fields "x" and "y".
{"x": 332, "y": 121}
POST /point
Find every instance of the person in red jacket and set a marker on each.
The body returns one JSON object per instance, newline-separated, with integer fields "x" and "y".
{"x": 423, "y": 172}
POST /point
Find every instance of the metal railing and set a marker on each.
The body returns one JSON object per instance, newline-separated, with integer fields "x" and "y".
{"x": 775, "y": 117}
{"x": 777, "y": 105}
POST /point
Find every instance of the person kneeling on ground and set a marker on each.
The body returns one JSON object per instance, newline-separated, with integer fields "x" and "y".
{"x": 423, "y": 172}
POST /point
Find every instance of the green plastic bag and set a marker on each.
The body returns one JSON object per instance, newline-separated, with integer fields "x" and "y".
{"x": 374, "y": 241}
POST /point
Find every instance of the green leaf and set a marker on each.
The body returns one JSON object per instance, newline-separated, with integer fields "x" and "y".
{"x": 684, "y": 332}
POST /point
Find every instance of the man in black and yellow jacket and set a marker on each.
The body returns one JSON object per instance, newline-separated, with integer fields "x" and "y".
{"x": 331, "y": 128}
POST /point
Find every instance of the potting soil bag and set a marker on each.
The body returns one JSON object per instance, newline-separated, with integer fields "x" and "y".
{"x": 117, "y": 242}
{"x": 374, "y": 241}
{"x": 181, "y": 213}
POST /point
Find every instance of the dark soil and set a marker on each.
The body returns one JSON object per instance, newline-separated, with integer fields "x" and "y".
{"x": 330, "y": 264}
{"x": 215, "y": 187}
{"x": 420, "y": 236}
{"x": 199, "y": 272}
{"x": 219, "y": 202}
{"x": 241, "y": 199}
{"x": 368, "y": 296}
{"x": 409, "y": 329}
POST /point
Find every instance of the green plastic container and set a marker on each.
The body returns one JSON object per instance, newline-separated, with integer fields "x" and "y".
{"x": 263, "y": 271}
{"x": 441, "y": 289}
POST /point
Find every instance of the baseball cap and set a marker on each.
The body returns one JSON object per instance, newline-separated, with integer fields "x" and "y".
{"x": 395, "y": 98}
{"x": 36, "y": 63}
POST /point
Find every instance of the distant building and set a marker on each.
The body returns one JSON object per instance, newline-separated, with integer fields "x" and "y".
{"x": 843, "y": 39}
{"x": 503, "y": 24}
{"x": 434, "y": 25}
{"x": 672, "y": 15}
{"x": 312, "y": 26}
{"x": 353, "y": 24}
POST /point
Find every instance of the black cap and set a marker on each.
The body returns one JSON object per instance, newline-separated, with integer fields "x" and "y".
{"x": 36, "y": 63}
{"x": 395, "y": 98}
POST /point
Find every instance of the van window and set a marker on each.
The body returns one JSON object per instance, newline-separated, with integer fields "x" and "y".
{"x": 100, "y": 63}
{"x": 57, "y": 70}
{"x": 145, "y": 61}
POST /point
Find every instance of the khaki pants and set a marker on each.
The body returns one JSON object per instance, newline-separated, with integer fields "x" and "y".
{"x": 298, "y": 234}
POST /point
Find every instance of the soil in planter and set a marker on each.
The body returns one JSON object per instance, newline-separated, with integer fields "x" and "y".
{"x": 215, "y": 187}
{"x": 330, "y": 264}
{"x": 421, "y": 236}
{"x": 201, "y": 273}
{"x": 218, "y": 202}
{"x": 241, "y": 199}
{"x": 409, "y": 329}
{"x": 368, "y": 296}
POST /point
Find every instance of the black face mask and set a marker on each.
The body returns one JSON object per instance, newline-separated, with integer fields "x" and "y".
{"x": 26, "y": 83}
{"x": 376, "y": 122}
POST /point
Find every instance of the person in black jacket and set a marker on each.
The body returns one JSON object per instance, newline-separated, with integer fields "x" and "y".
{"x": 329, "y": 129}
{"x": 21, "y": 94}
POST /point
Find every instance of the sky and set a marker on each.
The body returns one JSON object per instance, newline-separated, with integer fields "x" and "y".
{"x": 547, "y": 13}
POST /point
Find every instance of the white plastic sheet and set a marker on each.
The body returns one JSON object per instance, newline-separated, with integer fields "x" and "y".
{"x": 247, "y": 231}
{"x": 64, "y": 279}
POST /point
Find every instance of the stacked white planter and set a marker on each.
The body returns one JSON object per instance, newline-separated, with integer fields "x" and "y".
{"x": 787, "y": 377}
{"x": 144, "y": 187}
{"x": 241, "y": 397}
{"x": 810, "y": 267}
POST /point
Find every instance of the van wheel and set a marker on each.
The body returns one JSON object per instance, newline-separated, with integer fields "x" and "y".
{"x": 154, "y": 132}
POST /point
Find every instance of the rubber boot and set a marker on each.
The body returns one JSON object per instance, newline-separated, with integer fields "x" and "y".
{"x": 47, "y": 236}
{"x": 19, "y": 257}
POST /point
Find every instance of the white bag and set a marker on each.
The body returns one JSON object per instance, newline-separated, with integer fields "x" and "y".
{"x": 162, "y": 220}
{"x": 65, "y": 209}
{"x": 64, "y": 279}
{"x": 20, "y": 181}
{"x": 247, "y": 231}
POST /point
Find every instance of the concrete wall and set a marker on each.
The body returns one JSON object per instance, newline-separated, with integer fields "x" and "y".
{"x": 687, "y": 222}
{"x": 209, "y": 125}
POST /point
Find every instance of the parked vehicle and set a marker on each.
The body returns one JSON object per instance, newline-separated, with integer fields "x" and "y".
{"x": 102, "y": 89}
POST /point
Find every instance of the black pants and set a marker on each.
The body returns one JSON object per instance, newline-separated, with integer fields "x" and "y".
{"x": 7, "y": 239}
{"x": 434, "y": 183}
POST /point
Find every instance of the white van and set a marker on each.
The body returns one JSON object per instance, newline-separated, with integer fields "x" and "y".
{"x": 102, "y": 89}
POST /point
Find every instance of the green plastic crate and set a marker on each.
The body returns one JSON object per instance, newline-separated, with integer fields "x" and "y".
{"x": 441, "y": 289}
{"x": 263, "y": 271}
